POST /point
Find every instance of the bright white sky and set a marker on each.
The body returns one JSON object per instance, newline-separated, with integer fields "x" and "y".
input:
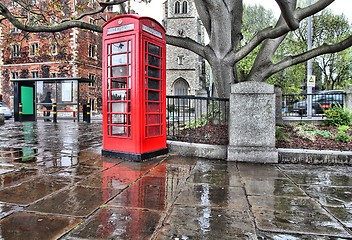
{"x": 155, "y": 8}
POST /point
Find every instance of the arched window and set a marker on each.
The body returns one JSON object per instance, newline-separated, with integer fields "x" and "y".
{"x": 181, "y": 87}
{"x": 177, "y": 7}
{"x": 184, "y": 7}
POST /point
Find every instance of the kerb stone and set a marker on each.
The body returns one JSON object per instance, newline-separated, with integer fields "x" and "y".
{"x": 252, "y": 123}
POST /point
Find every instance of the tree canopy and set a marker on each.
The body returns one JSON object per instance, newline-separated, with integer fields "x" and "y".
{"x": 223, "y": 21}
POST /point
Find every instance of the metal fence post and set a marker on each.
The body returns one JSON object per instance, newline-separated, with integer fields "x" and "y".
{"x": 88, "y": 112}
{"x": 54, "y": 112}
{"x": 20, "y": 112}
{"x": 348, "y": 98}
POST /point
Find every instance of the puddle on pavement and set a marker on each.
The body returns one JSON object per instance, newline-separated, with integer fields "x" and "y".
{"x": 290, "y": 215}
{"x": 16, "y": 177}
{"x": 271, "y": 186}
{"x": 116, "y": 177}
{"x": 207, "y": 223}
{"x": 23, "y": 155}
{"x": 216, "y": 178}
{"x": 77, "y": 201}
{"x": 215, "y": 196}
{"x": 25, "y": 225}
{"x": 32, "y": 190}
{"x": 77, "y": 171}
{"x": 207, "y": 166}
{"x": 259, "y": 171}
{"x": 321, "y": 178}
{"x": 286, "y": 236}
{"x": 118, "y": 223}
{"x": 148, "y": 193}
{"x": 331, "y": 196}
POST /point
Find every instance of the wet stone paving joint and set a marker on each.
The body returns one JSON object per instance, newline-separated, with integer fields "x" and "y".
{"x": 55, "y": 184}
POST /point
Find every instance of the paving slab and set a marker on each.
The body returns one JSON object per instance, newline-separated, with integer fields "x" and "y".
{"x": 187, "y": 222}
{"x": 32, "y": 190}
{"x": 77, "y": 201}
{"x": 294, "y": 215}
{"x": 118, "y": 223}
{"x": 22, "y": 225}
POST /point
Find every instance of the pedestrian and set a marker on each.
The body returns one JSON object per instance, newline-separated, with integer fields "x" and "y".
{"x": 47, "y": 103}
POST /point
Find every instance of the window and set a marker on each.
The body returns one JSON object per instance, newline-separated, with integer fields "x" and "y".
{"x": 35, "y": 74}
{"x": 110, "y": 8}
{"x": 33, "y": 49}
{"x": 91, "y": 20}
{"x": 15, "y": 50}
{"x": 93, "y": 78}
{"x": 181, "y": 87}
{"x": 15, "y": 30}
{"x": 54, "y": 75}
{"x": 53, "y": 48}
{"x": 184, "y": 7}
{"x": 53, "y": 19}
{"x": 177, "y": 7}
{"x": 91, "y": 50}
{"x": 180, "y": 59}
{"x": 14, "y": 75}
{"x": 15, "y": 4}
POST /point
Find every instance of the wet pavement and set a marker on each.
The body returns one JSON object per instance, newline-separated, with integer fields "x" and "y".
{"x": 54, "y": 184}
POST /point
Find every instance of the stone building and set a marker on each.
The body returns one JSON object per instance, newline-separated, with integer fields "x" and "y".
{"x": 70, "y": 53}
{"x": 185, "y": 70}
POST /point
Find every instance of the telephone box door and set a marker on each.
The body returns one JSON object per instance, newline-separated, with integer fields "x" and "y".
{"x": 134, "y": 94}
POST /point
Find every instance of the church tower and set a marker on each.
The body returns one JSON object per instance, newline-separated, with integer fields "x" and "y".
{"x": 185, "y": 70}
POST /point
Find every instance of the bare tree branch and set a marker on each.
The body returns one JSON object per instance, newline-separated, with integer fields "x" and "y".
{"x": 277, "y": 31}
{"x": 323, "y": 49}
{"x": 103, "y": 6}
{"x": 287, "y": 12}
{"x": 186, "y": 43}
{"x": 41, "y": 28}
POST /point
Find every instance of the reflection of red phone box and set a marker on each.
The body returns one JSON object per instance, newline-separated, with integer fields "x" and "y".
{"x": 134, "y": 88}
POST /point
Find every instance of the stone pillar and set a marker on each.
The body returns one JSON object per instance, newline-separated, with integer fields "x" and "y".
{"x": 348, "y": 98}
{"x": 252, "y": 123}
{"x": 278, "y": 106}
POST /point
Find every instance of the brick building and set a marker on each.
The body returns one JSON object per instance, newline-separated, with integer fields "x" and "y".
{"x": 71, "y": 53}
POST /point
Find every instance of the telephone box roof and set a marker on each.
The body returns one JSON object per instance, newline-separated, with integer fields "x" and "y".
{"x": 136, "y": 16}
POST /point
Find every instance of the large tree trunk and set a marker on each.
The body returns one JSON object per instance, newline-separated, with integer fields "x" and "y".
{"x": 224, "y": 76}
{"x": 223, "y": 23}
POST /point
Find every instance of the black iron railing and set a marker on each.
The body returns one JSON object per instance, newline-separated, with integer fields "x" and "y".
{"x": 197, "y": 119}
{"x": 296, "y": 104}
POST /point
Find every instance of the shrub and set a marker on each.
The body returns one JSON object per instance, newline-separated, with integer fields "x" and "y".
{"x": 280, "y": 135}
{"x": 343, "y": 128}
{"x": 323, "y": 133}
{"x": 343, "y": 137}
{"x": 337, "y": 116}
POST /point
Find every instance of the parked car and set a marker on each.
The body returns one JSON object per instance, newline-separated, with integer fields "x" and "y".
{"x": 5, "y": 110}
{"x": 321, "y": 101}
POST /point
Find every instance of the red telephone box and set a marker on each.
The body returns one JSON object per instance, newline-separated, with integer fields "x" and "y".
{"x": 134, "y": 88}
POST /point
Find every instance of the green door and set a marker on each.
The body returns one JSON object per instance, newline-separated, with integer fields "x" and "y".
{"x": 27, "y": 100}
